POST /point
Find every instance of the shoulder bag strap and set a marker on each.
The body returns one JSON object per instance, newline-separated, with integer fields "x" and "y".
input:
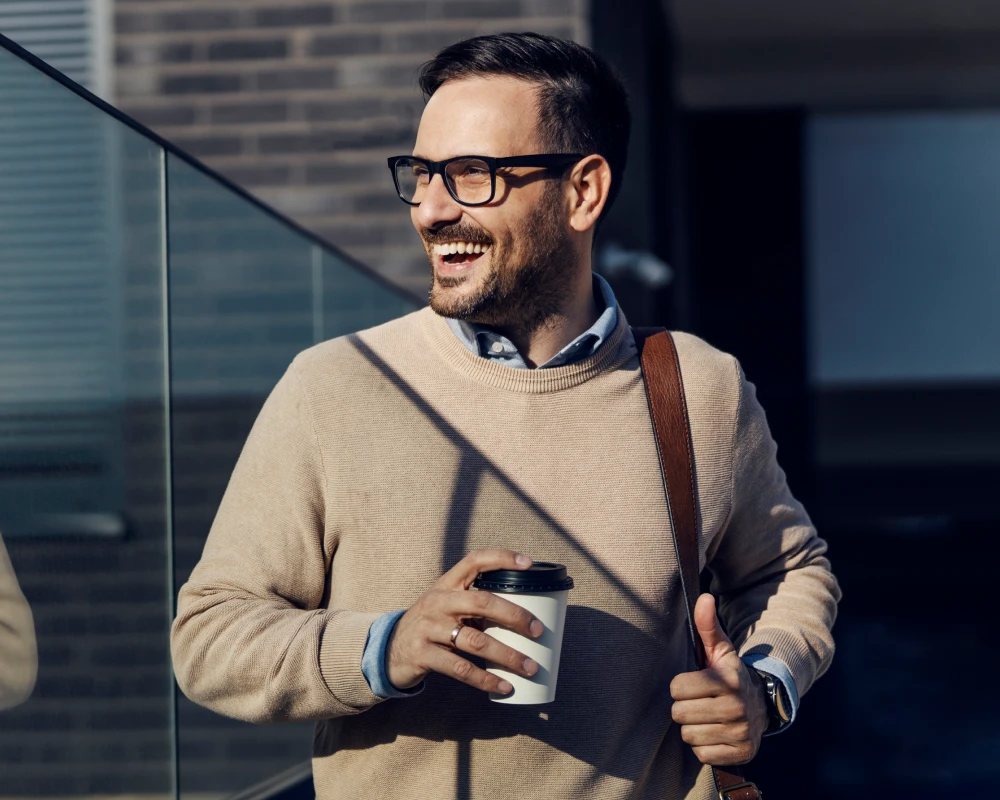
{"x": 661, "y": 372}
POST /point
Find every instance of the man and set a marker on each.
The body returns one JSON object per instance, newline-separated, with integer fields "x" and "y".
{"x": 506, "y": 422}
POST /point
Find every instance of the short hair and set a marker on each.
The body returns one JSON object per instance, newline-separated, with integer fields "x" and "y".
{"x": 583, "y": 104}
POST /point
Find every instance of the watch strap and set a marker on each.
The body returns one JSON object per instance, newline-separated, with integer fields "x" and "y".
{"x": 661, "y": 372}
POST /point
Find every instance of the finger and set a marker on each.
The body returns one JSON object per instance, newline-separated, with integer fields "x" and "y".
{"x": 733, "y": 734}
{"x": 698, "y": 685}
{"x": 709, "y": 710}
{"x": 725, "y": 755}
{"x": 477, "y": 643}
{"x": 447, "y": 662}
{"x": 488, "y": 606}
{"x": 465, "y": 571}
{"x": 706, "y": 620}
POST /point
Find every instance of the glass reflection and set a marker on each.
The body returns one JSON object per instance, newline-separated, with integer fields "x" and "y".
{"x": 353, "y": 300}
{"x": 83, "y": 471}
{"x": 86, "y": 499}
{"x": 241, "y": 290}
{"x": 18, "y": 649}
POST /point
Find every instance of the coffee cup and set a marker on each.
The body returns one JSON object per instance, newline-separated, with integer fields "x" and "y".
{"x": 543, "y": 589}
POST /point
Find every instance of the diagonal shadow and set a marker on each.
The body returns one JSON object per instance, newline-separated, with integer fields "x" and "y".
{"x": 478, "y": 463}
{"x": 467, "y": 480}
{"x": 463, "y": 715}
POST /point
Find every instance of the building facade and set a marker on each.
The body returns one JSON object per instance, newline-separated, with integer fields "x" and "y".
{"x": 302, "y": 102}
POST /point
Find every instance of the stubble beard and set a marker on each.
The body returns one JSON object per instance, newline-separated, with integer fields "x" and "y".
{"x": 526, "y": 287}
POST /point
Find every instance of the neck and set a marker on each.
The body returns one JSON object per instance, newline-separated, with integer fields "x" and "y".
{"x": 578, "y": 313}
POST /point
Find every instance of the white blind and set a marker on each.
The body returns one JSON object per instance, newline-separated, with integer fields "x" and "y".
{"x": 68, "y": 34}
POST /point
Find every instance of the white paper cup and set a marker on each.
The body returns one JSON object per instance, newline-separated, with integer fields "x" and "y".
{"x": 544, "y": 593}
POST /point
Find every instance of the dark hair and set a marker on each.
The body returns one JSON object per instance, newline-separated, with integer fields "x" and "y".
{"x": 583, "y": 105}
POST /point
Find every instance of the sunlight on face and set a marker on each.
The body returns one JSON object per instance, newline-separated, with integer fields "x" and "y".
{"x": 506, "y": 247}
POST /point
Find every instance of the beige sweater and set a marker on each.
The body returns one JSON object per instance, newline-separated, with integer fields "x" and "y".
{"x": 18, "y": 650}
{"x": 381, "y": 458}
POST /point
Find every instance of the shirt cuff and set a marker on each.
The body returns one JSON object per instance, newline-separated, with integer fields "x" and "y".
{"x": 373, "y": 659}
{"x": 777, "y": 670}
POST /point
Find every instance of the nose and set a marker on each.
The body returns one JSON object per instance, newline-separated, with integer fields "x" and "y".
{"x": 437, "y": 207}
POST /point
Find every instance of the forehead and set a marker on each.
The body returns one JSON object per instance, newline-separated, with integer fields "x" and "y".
{"x": 491, "y": 116}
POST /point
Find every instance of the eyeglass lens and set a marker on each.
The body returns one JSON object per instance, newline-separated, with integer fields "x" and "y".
{"x": 468, "y": 178}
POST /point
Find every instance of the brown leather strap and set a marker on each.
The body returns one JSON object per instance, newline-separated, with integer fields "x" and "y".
{"x": 661, "y": 371}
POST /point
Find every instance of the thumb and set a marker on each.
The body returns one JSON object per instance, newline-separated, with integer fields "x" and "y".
{"x": 717, "y": 644}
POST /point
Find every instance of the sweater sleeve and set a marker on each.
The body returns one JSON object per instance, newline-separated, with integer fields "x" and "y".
{"x": 777, "y": 595}
{"x": 252, "y": 639}
{"x": 18, "y": 649}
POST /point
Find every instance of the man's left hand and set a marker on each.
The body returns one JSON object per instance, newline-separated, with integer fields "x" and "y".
{"x": 721, "y": 709}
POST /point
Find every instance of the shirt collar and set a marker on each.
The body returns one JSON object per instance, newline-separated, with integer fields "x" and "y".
{"x": 488, "y": 343}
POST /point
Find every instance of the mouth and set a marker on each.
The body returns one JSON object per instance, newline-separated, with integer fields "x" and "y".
{"x": 453, "y": 258}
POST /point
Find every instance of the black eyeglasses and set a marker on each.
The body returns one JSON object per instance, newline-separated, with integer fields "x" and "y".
{"x": 471, "y": 180}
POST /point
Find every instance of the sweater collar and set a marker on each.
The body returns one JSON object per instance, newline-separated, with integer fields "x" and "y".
{"x": 489, "y": 343}
{"x": 618, "y": 348}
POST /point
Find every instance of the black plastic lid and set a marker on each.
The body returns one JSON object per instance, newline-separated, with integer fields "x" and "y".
{"x": 539, "y": 577}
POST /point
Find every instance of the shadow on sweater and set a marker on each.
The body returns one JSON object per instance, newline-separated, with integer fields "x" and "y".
{"x": 475, "y": 465}
{"x": 627, "y": 741}
{"x": 583, "y": 722}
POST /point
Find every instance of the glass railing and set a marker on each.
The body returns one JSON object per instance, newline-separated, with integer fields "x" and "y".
{"x": 147, "y": 307}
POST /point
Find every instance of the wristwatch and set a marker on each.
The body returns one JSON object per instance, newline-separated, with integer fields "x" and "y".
{"x": 779, "y": 710}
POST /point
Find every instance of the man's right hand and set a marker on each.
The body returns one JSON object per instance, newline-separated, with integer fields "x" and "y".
{"x": 421, "y": 640}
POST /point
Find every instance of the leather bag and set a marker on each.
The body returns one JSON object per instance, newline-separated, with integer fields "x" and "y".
{"x": 661, "y": 373}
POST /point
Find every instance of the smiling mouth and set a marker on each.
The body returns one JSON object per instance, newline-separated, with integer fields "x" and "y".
{"x": 460, "y": 253}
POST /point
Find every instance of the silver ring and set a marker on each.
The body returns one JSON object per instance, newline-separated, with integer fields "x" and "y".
{"x": 454, "y": 633}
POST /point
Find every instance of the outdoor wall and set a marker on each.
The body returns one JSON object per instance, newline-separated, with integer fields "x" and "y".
{"x": 301, "y": 102}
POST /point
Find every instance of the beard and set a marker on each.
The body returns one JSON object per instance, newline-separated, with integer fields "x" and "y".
{"x": 529, "y": 277}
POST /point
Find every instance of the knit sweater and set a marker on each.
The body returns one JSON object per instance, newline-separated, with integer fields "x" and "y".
{"x": 383, "y": 457}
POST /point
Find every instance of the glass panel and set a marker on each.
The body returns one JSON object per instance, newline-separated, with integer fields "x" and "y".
{"x": 353, "y": 300}
{"x": 83, "y": 491}
{"x": 241, "y": 287}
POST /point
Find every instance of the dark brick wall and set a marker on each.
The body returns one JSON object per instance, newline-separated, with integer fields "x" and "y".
{"x": 99, "y": 720}
{"x": 301, "y": 102}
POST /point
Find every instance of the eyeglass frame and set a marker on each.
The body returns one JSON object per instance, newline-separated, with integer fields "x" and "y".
{"x": 547, "y": 160}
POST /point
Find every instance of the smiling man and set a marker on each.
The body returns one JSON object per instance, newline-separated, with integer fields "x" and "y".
{"x": 508, "y": 421}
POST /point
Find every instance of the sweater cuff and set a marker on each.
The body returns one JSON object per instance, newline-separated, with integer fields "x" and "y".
{"x": 779, "y": 672}
{"x": 373, "y": 660}
{"x": 340, "y": 650}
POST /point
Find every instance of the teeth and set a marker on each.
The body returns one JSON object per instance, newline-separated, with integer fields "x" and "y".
{"x": 458, "y": 247}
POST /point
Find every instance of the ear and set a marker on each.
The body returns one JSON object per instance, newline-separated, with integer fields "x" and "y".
{"x": 590, "y": 184}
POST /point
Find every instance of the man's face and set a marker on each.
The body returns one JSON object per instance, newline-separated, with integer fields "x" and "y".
{"x": 522, "y": 278}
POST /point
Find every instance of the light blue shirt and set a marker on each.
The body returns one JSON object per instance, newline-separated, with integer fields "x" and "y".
{"x": 488, "y": 343}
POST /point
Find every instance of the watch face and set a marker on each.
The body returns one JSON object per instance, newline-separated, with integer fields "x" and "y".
{"x": 776, "y": 697}
{"x": 780, "y": 704}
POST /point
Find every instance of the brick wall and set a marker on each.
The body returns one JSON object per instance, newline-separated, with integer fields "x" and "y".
{"x": 302, "y": 101}
{"x": 98, "y": 722}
